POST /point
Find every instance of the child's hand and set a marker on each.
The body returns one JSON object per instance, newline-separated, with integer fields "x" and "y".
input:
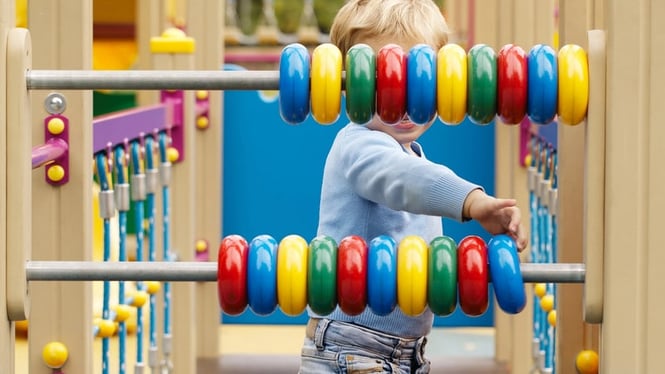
{"x": 497, "y": 216}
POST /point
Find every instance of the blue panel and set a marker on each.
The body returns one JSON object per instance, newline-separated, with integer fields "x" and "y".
{"x": 272, "y": 177}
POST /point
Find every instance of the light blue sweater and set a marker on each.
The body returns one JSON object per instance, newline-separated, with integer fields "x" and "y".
{"x": 371, "y": 187}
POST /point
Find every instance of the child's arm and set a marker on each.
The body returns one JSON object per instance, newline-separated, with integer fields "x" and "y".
{"x": 497, "y": 216}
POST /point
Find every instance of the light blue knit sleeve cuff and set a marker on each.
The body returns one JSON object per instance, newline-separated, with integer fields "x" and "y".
{"x": 445, "y": 197}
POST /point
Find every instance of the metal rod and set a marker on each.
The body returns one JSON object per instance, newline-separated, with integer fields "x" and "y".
{"x": 207, "y": 271}
{"x": 151, "y": 80}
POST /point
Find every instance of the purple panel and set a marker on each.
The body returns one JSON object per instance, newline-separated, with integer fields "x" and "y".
{"x": 117, "y": 128}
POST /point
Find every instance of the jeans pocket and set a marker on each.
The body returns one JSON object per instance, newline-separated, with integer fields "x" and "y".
{"x": 356, "y": 364}
{"x": 315, "y": 361}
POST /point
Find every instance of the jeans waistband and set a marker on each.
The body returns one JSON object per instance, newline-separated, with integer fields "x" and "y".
{"x": 322, "y": 330}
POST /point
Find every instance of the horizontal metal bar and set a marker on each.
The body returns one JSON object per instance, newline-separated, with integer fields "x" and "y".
{"x": 207, "y": 271}
{"x": 152, "y": 80}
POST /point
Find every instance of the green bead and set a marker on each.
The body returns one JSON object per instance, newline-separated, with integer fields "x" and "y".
{"x": 322, "y": 275}
{"x": 442, "y": 290}
{"x": 360, "y": 83}
{"x": 482, "y": 84}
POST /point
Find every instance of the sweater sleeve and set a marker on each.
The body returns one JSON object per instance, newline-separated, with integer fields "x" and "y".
{"x": 379, "y": 170}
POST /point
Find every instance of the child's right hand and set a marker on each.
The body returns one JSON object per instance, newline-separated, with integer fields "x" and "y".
{"x": 497, "y": 216}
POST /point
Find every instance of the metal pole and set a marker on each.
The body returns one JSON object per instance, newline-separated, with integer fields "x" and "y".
{"x": 207, "y": 271}
{"x": 151, "y": 80}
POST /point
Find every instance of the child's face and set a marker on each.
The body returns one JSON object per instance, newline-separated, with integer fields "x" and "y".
{"x": 405, "y": 131}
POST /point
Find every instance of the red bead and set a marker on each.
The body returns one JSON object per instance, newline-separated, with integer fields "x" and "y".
{"x": 232, "y": 274}
{"x": 472, "y": 275}
{"x": 512, "y": 84}
{"x": 352, "y": 275}
{"x": 391, "y": 84}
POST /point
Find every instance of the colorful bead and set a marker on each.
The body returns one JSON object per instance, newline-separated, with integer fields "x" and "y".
{"x": 294, "y": 77}
{"x": 262, "y": 275}
{"x": 352, "y": 275}
{"x": 232, "y": 274}
{"x": 412, "y": 275}
{"x": 292, "y": 275}
{"x": 391, "y": 84}
{"x": 326, "y": 80}
{"x": 472, "y": 275}
{"x": 322, "y": 275}
{"x": 512, "y": 84}
{"x": 451, "y": 84}
{"x": 382, "y": 275}
{"x": 573, "y": 84}
{"x": 482, "y": 86}
{"x": 504, "y": 268}
{"x": 360, "y": 83}
{"x": 442, "y": 290}
{"x": 543, "y": 84}
{"x": 421, "y": 84}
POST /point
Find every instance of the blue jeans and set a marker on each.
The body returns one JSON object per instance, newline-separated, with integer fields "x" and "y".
{"x": 340, "y": 347}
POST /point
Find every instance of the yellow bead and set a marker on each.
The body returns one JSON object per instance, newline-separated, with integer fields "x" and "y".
{"x": 105, "y": 327}
{"x": 55, "y": 355}
{"x": 138, "y": 299}
{"x": 587, "y": 362}
{"x": 412, "y": 275}
{"x": 540, "y": 289}
{"x": 451, "y": 84}
{"x": 201, "y": 245}
{"x": 202, "y": 122}
{"x": 527, "y": 160}
{"x": 547, "y": 302}
{"x": 55, "y": 173}
{"x": 152, "y": 287}
{"x": 56, "y": 126}
{"x": 122, "y": 312}
{"x": 551, "y": 317}
{"x": 172, "y": 154}
{"x": 201, "y": 95}
{"x": 292, "y": 275}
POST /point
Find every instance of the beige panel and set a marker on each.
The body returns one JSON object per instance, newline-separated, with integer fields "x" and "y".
{"x": 633, "y": 259}
{"x": 654, "y": 78}
{"x": 150, "y": 22}
{"x": 62, "y": 39}
{"x": 206, "y": 25}
{"x": 7, "y": 21}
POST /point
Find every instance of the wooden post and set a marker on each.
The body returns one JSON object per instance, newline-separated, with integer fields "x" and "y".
{"x": 62, "y": 216}
{"x": 6, "y": 327}
{"x": 183, "y": 203}
{"x": 205, "y": 23}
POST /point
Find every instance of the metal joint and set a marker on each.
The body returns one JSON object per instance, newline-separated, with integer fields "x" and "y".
{"x": 138, "y": 187}
{"x": 106, "y": 204}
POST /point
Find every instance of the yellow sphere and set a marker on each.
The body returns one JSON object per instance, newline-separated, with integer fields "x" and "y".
{"x": 105, "y": 328}
{"x": 201, "y": 245}
{"x": 56, "y": 126}
{"x": 540, "y": 289}
{"x": 152, "y": 287}
{"x": 138, "y": 298}
{"x": 202, "y": 122}
{"x": 587, "y": 362}
{"x": 122, "y": 312}
{"x": 55, "y": 173}
{"x": 172, "y": 154}
{"x": 201, "y": 95}
{"x": 527, "y": 160}
{"x": 551, "y": 317}
{"x": 55, "y": 355}
{"x": 547, "y": 302}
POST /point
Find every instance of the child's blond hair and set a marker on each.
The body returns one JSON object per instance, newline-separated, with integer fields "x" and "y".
{"x": 360, "y": 21}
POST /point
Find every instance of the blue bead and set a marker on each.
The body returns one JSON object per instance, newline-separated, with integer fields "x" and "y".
{"x": 543, "y": 76}
{"x": 262, "y": 275}
{"x": 294, "y": 75}
{"x": 504, "y": 266}
{"x": 421, "y": 84}
{"x": 382, "y": 275}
